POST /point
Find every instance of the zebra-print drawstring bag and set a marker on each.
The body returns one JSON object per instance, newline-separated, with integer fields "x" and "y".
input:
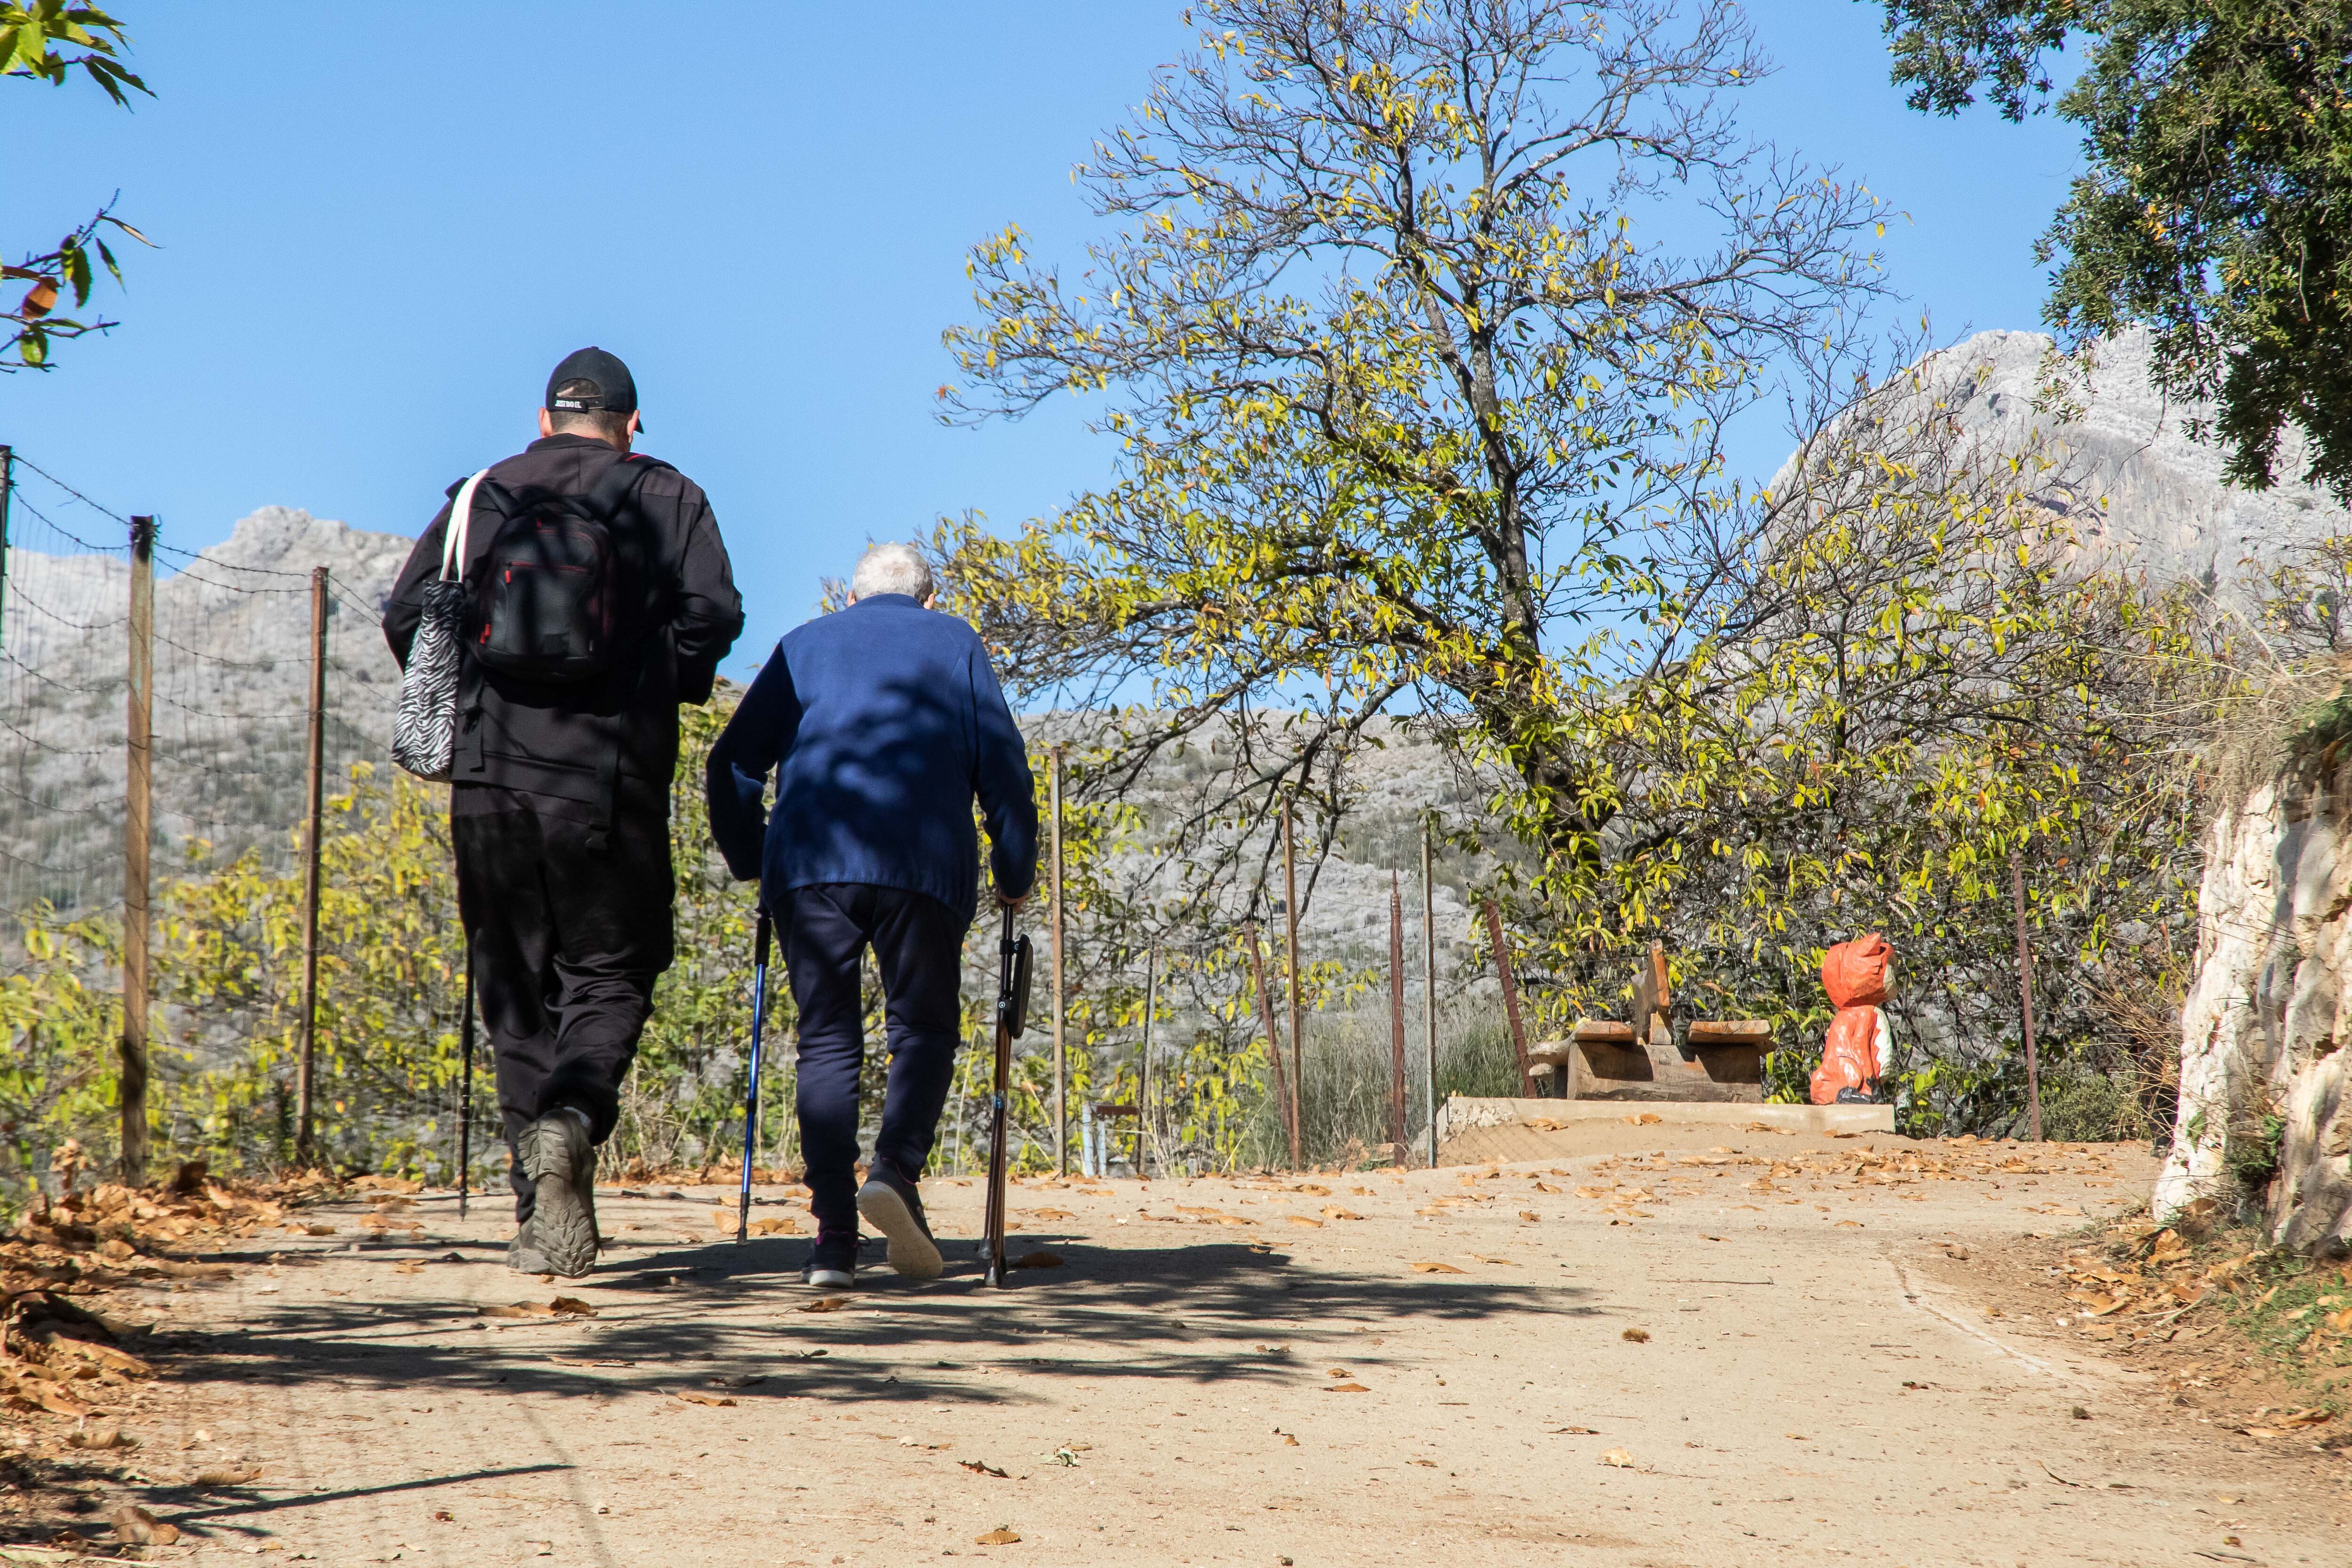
{"x": 425, "y": 737}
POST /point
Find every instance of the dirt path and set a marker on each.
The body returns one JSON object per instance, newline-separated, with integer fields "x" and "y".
{"x": 1243, "y": 1372}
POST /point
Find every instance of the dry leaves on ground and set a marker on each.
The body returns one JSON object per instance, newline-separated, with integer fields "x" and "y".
{"x": 1619, "y": 1458}
{"x": 1000, "y": 1536}
{"x": 712, "y": 1400}
{"x": 137, "y": 1527}
{"x": 982, "y": 1467}
{"x": 1346, "y": 1388}
{"x": 230, "y": 1476}
{"x": 825, "y": 1304}
{"x": 1436, "y": 1269}
{"x": 1635, "y": 1336}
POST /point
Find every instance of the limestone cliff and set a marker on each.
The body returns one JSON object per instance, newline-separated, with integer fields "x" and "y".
{"x": 2264, "y": 1116}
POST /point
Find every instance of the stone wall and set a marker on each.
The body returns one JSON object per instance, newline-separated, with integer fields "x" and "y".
{"x": 2268, "y": 1014}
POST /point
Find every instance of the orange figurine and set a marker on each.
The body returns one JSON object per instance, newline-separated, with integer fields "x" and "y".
{"x": 1855, "y": 975}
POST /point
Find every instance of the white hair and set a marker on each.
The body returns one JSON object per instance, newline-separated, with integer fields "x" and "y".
{"x": 892, "y": 569}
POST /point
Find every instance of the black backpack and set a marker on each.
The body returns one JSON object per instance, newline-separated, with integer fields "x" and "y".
{"x": 555, "y": 591}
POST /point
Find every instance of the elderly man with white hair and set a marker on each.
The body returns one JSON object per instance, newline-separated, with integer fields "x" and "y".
{"x": 883, "y": 723}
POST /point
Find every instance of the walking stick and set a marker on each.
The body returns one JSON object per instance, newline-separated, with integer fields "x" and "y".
{"x": 1013, "y": 962}
{"x": 751, "y": 1099}
{"x": 466, "y": 1095}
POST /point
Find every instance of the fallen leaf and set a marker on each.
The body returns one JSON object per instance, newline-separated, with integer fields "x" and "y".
{"x": 1504, "y": 1262}
{"x": 772, "y": 1226}
{"x": 1436, "y": 1269}
{"x": 982, "y": 1467}
{"x": 1580, "y": 1431}
{"x": 140, "y": 1528}
{"x": 1618, "y": 1458}
{"x": 712, "y": 1400}
{"x": 1346, "y": 1388}
{"x": 1049, "y": 1213}
{"x": 518, "y": 1310}
{"x": 1301, "y": 1220}
{"x": 1036, "y": 1260}
{"x": 1000, "y": 1536}
{"x": 1529, "y": 1214}
{"x": 234, "y": 1477}
{"x": 571, "y": 1307}
{"x": 1288, "y": 1441}
{"x": 319, "y": 1230}
{"x": 2304, "y": 1419}
{"x": 826, "y": 1304}
{"x": 1426, "y": 1464}
{"x": 1636, "y": 1336}
{"x": 101, "y": 1437}
{"x": 722, "y": 1219}
{"x": 1333, "y": 1211}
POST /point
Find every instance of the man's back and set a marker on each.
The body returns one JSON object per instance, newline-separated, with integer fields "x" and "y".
{"x": 887, "y": 722}
{"x": 555, "y": 738}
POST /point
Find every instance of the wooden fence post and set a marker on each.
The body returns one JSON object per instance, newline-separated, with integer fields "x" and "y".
{"x": 1396, "y": 1019}
{"x": 1060, "y": 1061}
{"x": 1428, "y": 973}
{"x": 316, "y": 820}
{"x": 138, "y": 828}
{"x": 1290, "y": 990}
{"x": 2025, "y": 1001}
{"x": 1510, "y": 994}
{"x": 1273, "y": 1040}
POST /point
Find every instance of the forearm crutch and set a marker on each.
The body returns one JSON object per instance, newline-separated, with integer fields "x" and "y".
{"x": 751, "y": 1096}
{"x": 1012, "y": 962}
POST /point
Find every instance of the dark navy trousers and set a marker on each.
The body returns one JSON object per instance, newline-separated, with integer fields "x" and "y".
{"x": 918, "y": 944}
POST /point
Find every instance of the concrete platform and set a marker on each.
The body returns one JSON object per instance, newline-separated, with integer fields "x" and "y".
{"x": 1464, "y": 1114}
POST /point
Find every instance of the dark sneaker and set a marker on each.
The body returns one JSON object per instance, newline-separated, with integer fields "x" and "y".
{"x": 561, "y": 1236}
{"x": 832, "y": 1262}
{"x": 890, "y": 1204}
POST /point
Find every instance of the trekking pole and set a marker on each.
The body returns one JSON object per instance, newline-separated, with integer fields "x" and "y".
{"x": 466, "y": 1094}
{"x": 751, "y": 1099}
{"x": 1012, "y": 962}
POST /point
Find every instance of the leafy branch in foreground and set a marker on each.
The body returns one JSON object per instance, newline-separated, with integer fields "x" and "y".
{"x": 29, "y": 40}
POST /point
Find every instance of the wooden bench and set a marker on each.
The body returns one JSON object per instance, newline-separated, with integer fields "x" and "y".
{"x": 1601, "y": 1061}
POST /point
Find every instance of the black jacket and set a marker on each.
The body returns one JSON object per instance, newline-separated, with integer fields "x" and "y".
{"x": 561, "y": 740}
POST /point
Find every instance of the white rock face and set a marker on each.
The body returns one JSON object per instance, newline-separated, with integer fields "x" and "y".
{"x": 2159, "y": 501}
{"x": 2267, "y": 1018}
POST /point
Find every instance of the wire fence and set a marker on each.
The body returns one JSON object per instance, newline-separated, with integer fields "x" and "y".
{"x": 231, "y": 657}
{"x": 230, "y": 644}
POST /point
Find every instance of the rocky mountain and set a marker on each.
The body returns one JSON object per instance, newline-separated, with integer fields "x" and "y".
{"x": 232, "y": 652}
{"x": 2158, "y": 500}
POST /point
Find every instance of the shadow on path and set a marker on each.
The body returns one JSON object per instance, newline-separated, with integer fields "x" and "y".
{"x": 736, "y": 1319}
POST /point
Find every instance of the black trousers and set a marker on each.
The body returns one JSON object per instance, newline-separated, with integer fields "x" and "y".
{"x": 917, "y": 945}
{"x": 567, "y": 942}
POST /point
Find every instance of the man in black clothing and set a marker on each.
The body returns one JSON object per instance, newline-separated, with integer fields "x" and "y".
{"x": 560, "y": 804}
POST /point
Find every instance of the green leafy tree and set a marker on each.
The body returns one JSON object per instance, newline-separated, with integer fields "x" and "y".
{"x": 2217, "y": 139}
{"x": 1407, "y": 392}
{"x": 48, "y": 40}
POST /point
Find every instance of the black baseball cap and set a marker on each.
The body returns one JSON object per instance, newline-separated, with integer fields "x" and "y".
{"x": 589, "y": 380}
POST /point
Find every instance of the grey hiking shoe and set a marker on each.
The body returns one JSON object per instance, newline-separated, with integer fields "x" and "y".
{"x": 561, "y": 1236}
{"x": 833, "y": 1261}
{"x": 890, "y": 1204}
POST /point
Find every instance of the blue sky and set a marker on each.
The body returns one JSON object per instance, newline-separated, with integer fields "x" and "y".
{"x": 379, "y": 232}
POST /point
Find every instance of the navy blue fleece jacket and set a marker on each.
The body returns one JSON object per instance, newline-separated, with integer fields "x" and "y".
{"x": 884, "y": 723}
